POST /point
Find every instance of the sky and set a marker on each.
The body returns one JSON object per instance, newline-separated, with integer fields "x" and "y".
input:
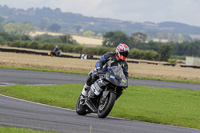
{"x": 183, "y": 11}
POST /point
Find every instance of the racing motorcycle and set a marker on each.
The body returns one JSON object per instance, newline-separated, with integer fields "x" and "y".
{"x": 55, "y": 53}
{"x": 103, "y": 103}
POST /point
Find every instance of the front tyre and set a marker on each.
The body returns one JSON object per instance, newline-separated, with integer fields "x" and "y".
{"x": 105, "y": 107}
{"x": 79, "y": 107}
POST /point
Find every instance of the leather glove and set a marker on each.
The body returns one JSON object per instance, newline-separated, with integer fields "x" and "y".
{"x": 100, "y": 71}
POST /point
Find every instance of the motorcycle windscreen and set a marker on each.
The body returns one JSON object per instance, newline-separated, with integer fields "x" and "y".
{"x": 116, "y": 76}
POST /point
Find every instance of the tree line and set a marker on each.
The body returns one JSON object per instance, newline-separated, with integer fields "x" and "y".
{"x": 164, "y": 50}
{"x": 14, "y": 28}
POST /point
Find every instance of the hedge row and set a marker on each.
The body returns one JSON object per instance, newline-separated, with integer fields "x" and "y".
{"x": 134, "y": 53}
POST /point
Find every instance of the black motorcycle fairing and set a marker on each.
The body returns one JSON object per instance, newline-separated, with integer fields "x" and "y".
{"x": 116, "y": 76}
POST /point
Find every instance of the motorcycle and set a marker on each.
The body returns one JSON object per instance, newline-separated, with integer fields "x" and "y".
{"x": 55, "y": 53}
{"x": 103, "y": 103}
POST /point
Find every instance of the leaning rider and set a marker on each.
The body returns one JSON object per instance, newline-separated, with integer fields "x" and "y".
{"x": 107, "y": 60}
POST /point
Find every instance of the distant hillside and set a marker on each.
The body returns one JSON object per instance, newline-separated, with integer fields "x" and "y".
{"x": 71, "y": 22}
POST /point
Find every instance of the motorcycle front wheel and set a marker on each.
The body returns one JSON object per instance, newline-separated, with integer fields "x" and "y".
{"x": 105, "y": 107}
{"x": 79, "y": 108}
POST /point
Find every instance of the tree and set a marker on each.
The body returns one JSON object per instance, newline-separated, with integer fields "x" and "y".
{"x": 54, "y": 28}
{"x": 25, "y": 38}
{"x": 66, "y": 38}
{"x": 165, "y": 51}
{"x": 2, "y": 26}
{"x": 1, "y": 40}
{"x": 11, "y": 28}
{"x": 25, "y": 28}
{"x": 99, "y": 35}
{"x": 88, "y": 33}
{"x": 14, "y": 28}
{"x": 138, "y": 37}
{"x": 114, "y": 38}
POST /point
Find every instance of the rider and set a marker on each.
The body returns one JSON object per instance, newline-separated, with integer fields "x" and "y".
{"x": 56, "y": 49}
{"x": 107, "y": 60}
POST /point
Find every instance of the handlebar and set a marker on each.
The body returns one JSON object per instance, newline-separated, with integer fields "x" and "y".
{"x": 101, "y": 74}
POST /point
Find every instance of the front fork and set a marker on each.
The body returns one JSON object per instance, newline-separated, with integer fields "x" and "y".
{"x": 106, "y": 92}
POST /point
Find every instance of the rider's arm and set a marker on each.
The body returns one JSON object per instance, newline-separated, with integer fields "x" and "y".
{"x": 102, "y": 61}
{"x": 125, "y": 69}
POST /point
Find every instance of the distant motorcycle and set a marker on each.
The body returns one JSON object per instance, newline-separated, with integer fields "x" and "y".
{"x": 103, "y": 104}
{"x": 55, "y": 53}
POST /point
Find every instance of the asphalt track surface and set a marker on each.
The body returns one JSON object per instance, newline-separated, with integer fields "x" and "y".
{"x": 20, "y": 113}
{"x": 11, "y": 76}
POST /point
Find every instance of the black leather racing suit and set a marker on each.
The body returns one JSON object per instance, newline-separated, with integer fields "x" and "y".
{"x": 107, "y": 60}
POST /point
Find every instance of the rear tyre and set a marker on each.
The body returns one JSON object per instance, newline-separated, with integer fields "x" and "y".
{"x": 79, "y": 108}
{"x": 105, "y": 108}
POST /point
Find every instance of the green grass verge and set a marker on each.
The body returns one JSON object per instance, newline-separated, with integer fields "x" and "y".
{"x": 178, "y": 107}
{"x": 19, "y": 130}
{"x": 85, "y": 73}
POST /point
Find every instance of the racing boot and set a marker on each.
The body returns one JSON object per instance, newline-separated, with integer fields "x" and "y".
{"x": 85, "y": 90}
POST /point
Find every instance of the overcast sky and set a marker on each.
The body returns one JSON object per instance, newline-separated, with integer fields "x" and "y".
{"x": 184, "y": 11}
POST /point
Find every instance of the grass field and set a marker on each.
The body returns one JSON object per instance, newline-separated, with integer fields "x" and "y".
{"x": 80, "y": 39}
{"x": 69, "y": 64}
{"x": 178, "y": 107}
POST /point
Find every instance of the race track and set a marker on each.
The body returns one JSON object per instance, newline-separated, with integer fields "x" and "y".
{"x": 19, "y": 113}
{"x": 11, "y": 76}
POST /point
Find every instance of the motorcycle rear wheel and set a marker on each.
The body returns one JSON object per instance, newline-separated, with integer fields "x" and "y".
{"x": 105, "y": 108}
{"x": 79, "y": 109}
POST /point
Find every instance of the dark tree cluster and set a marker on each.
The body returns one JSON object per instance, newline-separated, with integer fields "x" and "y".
{"x": 138, "y": 42}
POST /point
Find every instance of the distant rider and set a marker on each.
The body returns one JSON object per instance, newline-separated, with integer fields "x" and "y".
{"x": 56, "y": 49}
{"x": 107, "y": 60}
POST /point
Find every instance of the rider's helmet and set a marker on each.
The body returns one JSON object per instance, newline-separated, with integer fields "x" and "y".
{"x": 122, "y": 51}
{"x": 56, "y": 48}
